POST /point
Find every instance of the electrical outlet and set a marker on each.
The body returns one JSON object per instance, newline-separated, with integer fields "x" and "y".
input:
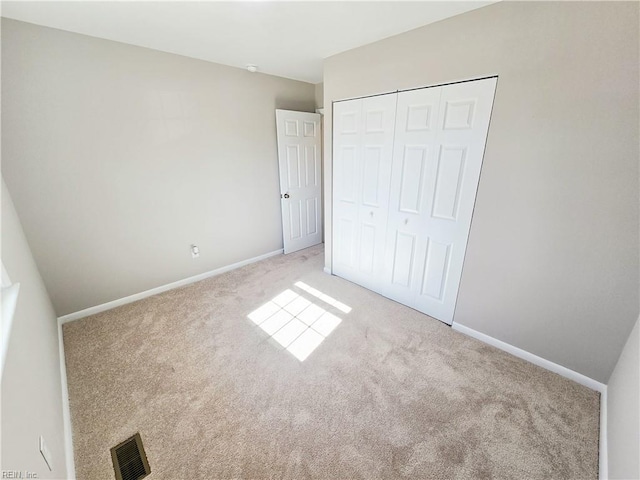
{"x": 195, "y": 251}
{"x": 46, "y": 453}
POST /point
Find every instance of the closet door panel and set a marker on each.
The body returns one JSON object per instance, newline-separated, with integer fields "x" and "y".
{"x": 435, "y": 271}
{"x": 363, "y": 148}
{"x": 461, "y": 130}
{"x": 413, "y": 166}
{"x": 378, "y": 116}
{"x": 346, "y": 165}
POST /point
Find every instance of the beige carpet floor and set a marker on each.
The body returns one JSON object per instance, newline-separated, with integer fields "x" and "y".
{"x": 203, "y": 374}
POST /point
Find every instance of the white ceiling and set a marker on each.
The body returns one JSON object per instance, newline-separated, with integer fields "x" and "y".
{"x": 288, "y": 39}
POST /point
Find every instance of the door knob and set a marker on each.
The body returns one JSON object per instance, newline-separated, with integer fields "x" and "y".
{"x": 371, "y": 213}
{"x": 406, "y": 220}
{"x": 286, "y": 195}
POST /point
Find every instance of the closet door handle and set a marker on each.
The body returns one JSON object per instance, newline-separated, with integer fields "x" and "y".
{"x": 406, "y": 220}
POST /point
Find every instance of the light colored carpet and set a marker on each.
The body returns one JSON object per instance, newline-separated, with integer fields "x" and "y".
{"x": 389, "y": 393}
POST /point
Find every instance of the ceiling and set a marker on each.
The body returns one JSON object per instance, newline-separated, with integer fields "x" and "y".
{"x": 288, "y": 39}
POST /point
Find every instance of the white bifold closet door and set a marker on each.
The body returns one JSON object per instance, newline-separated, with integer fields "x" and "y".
{"x": 402, "y": 219}
{"x": 363, "y": 152}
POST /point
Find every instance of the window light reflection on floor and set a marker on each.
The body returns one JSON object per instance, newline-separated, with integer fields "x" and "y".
{"x": 296, "y": 323}
{"x": 325, "y": 298}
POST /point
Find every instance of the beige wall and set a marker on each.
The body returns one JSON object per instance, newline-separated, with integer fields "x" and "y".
{"x": 552, "y": 259}
{"x": 319, "y": 95}
{"x": 31, "y": 386}
{"x": 319, "y": 92}
{"x": 120, "y": 157}
{"x": 623, "y": 412}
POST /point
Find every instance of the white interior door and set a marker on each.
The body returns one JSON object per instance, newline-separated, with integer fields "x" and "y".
{"x": 299, "y": 160}
{"x": 363, "y": 136}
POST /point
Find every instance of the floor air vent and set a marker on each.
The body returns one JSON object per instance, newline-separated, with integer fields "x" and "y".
{"x": 129, "y": 459}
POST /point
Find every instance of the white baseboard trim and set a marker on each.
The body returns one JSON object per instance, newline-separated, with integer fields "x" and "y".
{"x": 66, "y": 410}
{"x": 327, "y": 270}
{"x": 560, "y": 370}
{"x": 603, "y": 464}
{"x": 163, "y": 288}
{"x": 530, "y": 357}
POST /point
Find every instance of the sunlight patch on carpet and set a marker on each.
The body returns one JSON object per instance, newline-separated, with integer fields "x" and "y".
{"x": 296, "y": 323}
{"x": 325, "y": 298}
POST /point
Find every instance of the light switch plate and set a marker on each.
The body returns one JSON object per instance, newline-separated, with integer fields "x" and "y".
{"x": 46, "y": 454}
